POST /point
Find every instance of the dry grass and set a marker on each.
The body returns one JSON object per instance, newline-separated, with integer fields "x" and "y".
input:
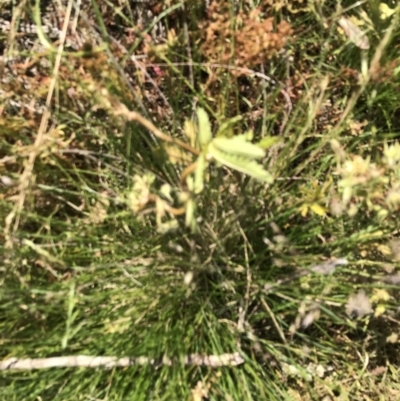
{"x": 87, "y": 269}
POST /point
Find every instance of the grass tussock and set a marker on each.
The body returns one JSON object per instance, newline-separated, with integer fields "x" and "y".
{"x": 186, "y": 179}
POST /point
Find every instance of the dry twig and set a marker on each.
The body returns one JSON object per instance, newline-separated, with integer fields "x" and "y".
{"x": 213, "y": 361}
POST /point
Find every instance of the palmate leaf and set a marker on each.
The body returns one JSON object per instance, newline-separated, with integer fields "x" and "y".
{"x": 204, "y": 131}
{"x": 238, "y": 146}
{"x": 243, "y": 164}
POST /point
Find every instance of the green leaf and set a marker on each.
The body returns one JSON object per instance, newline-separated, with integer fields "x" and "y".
{"x": 190, "y": 218}
{"x": 237, "y": 146}
{"x": 268, "y": 141}
{"x": 167, "y": 227}
{"x": 249, "y": 135}
{"x": 318, "y": 209}
{"x": 385, "y": 11}
{"x": 240, "y": 163}
{"x": 205, "y": 134}
{"x": 227, "y": 125}
{"x": 41, "y": 35}
{"x": 190, "y": 132}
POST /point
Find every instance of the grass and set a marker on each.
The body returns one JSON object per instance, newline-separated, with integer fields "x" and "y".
{"x": 87, "y": 272}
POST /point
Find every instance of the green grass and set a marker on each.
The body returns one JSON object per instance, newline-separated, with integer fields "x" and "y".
{"x": 82, "y": 274}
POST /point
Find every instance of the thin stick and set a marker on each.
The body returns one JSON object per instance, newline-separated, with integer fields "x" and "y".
{"x": 276, "y": 324}
{"x": 121, "y": 109}
{"x": 188, "y": 170}
{"x": 79, "y": 361}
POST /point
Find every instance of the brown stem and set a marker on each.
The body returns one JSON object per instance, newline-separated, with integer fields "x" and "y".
{"x": 134, "y": 116}
{"x": 174, "y": 211}
{"x": 188, "y": 170}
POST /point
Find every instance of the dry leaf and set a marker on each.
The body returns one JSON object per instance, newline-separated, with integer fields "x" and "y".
{"x": 6, "y": 181}
{"x": 354, "y": 33}
{"x": 393, "y": 338}
{"x": 310, "y": 317}
{"x": 393, "y": 279}
{"x": 329, "y": 266}
{"x": 359, "y": 305}
{"x": 200, "y": 392}
{"x": 98, "y": 212}
{"x": 336, "y": 207}
{"x": 384, "y": 249}
{"x": 379, "y": 370}
{"x": 395, "y": 248}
